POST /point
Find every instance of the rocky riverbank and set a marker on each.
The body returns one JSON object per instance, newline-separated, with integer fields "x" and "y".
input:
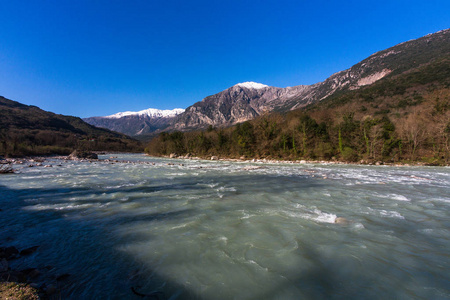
{"x": 277, "y": 161}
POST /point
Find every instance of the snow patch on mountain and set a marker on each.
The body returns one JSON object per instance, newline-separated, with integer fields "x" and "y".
{"x": 252, "y": 85}
{"x": 151, "y": 112}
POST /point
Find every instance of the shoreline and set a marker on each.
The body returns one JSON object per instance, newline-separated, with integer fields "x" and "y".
{"x": 303, "y": 161}
{"x": 38, "y": 161}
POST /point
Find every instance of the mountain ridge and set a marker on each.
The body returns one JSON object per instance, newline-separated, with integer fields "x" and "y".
{"x": 248, "y": 100}
{"x": 389, "y": 62}
{"x": 150, "y": 112}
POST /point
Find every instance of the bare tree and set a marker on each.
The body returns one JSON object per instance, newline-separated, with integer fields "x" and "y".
{"x": 413, "y": 130}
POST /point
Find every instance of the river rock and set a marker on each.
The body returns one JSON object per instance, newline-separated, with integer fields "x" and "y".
{"x": 340, "y": 220}
{"x": 82, "y": 155}
{"x": 214, "y": 158}
{"x": 172, "y": 155}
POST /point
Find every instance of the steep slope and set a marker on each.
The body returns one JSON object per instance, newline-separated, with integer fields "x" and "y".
{"x": 136, "y": 123}
{"x": 29, "y": 130}
{"x": 390, "y": 62}
{"x": 248, "y": 100}
{"x": 241, "y": 102}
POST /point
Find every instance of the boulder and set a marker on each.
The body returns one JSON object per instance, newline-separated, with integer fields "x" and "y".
{"x": 83, "y": 155}
{"x": 6, "y": 168}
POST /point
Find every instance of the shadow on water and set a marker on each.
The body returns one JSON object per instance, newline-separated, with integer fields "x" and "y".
{"x": 80, "y": 247}
{"x": 87, "y": 247}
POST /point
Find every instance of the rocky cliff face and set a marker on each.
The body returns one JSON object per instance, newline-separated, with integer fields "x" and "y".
{"x": 248, "y": 100}
{"x": 237, "y": 104}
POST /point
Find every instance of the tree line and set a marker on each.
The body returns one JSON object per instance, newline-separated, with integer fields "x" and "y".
{"x": 16, "y": 142}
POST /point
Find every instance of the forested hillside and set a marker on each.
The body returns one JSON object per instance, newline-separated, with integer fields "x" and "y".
{"x": 402, "y": 117}
{"x": 29, "y": 130}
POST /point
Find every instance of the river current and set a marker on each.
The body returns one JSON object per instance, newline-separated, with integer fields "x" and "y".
{"x": 195, "y": 229}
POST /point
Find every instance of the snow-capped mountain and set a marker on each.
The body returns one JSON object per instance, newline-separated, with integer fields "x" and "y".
{"x": 252, "y": 85}
{"x": 150, "y": 112}
{"x": 136, "y": 123}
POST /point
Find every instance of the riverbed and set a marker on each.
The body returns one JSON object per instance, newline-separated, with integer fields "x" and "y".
{"x": 198, "y": 229}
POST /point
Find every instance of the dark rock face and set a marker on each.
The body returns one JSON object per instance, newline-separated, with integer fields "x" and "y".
{"x": 234, "y": 105}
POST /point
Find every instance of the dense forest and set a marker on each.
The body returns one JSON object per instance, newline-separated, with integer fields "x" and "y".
{"x": 402, "y": 117}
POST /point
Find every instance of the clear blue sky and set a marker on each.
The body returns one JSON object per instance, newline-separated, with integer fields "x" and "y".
{"x": 99, "y": 57}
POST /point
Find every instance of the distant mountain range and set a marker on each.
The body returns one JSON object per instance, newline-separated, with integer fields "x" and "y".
{"x": 245, "y": 101}
{"x": 136, "y": 123}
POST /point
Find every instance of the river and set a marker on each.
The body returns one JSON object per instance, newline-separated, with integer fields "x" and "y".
{"x": 195, "y": 229}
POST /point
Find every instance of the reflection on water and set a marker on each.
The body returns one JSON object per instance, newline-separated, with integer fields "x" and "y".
{"x": 219, "y": 230}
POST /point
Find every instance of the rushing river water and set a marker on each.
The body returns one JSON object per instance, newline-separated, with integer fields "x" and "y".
{"x": 190, "y": 229}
